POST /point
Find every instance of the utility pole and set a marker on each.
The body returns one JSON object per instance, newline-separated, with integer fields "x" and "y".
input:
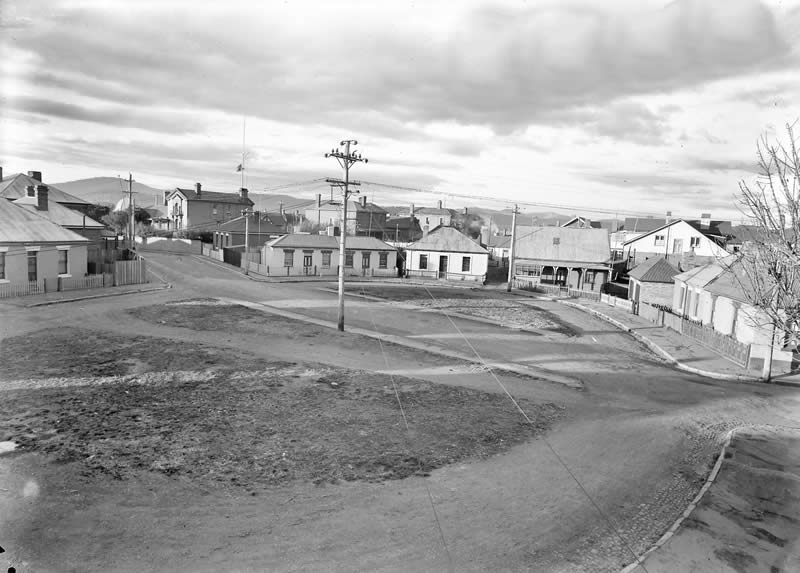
{"x": 131, "y": 230}
{"x": 346, "y": 159}
{"x": 511, "y": 251}
{"x": 246, "y": 213}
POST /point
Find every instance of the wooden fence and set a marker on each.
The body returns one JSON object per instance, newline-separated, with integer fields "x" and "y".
{"x": 130, "y": 272}
{"x": 89, "y": 281}
{"x": 612, "y": 300}
{"x": 8, "y": 290}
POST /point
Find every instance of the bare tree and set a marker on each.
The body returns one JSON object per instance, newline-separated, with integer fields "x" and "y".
{"x": 768, "y": 267}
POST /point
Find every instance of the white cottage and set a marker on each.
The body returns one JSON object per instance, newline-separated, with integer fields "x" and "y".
{"x": 447, "y": 254}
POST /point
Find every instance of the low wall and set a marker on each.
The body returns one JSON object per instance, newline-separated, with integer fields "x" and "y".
{"x": 188, "y": 246}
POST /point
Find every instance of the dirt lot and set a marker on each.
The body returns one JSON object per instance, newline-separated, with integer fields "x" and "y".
{"x": 748, "y": 520}
{"x": 121, "y": 405}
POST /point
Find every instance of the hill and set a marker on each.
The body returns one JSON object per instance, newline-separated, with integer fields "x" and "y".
{"x": 109, "y": 190}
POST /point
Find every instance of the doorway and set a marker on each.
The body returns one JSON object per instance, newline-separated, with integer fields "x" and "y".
{"x": 442, "y": 267}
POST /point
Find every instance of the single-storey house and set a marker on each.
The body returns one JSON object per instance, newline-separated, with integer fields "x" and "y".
{"x": 651, "y": 282}
{"x": 446, "y": 253}
{"x": 33, "y": 248}
{"x": 684, "y": 242}
{"x": 715, "y": 295}
{"x": 199, "y": 210}
{"x": 318, "y": 255}
{"x": 263, "y": 227}
{"x": 564, "y": 256}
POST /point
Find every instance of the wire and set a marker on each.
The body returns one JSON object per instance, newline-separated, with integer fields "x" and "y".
{"x": 561, "y": 461}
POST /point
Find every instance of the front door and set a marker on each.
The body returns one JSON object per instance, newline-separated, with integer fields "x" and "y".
{"x": 442, "y": 267}
{"x": 677, "y": 246}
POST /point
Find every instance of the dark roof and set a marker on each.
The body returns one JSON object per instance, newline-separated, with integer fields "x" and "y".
{"x": 269, "y": 223}
{"x": 19, "y": 225}
{"x": 14, "y": 187}
{"x": 447, "y": 240}
{"x": 654, "y": 270}
{"x": 498, "y": 241}
{"x": 716, "y": 228}
{"x": 434, "y": 211}
{"x": 401, "y": 223}
{"x": 643, "y": 225}
{"x": 303, "y": 241}
{"x": 214, "y": 196}
{"x": 572, "y": 245}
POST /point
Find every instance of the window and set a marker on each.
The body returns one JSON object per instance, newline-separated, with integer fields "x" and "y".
{"x": 63, "y": 261}
{"x": 288, "y": 258}
{"x": 529, "y": 270}
{"x": 423, "y": 262}
{"x": 32, "y": 275}
{"x": 326, "y": 259}
{"x": 556, "y": 240}
{"x": 659, "y": 241}
{"x": 383, "y": 260}
{"x": 694, "y": 242}
{"x": 2, "y": 266}
{"x": 588, "y": 278}
{"x": 441, "y": 220}
{"x": 348, "y": 259}
{"x": 365, "y": 260}
{"x": 307, "y": 258}
{"x": 465, "y": 264}
{"x": 695, "y": 302}
{"x": 427, "y": 220}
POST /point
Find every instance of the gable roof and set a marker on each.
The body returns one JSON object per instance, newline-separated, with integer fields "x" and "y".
{"x": 59, "y": 214}
{"x": 654, "y": 270}
{"x": 303, "y": 241}
{"x": 700, "y": 276}
{"x": 359, "y": 243}
{"x": 573, "y": 245}
{"x": 499, "y": 241}
{"x": 19, "y": 225}
{"x": 269, "y": 223}
{"x": 212, "y": 196}
{"x": 15, "y": 186}
{"x": 582, "y": 223}
{"x": 717, "y": 231}
{"x": 434, "y": 211}
{"x": 732, "y": 283}
{"x": 447, "y": 240}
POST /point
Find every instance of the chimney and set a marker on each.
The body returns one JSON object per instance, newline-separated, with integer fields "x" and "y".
{"x": 280, "y": 207}
{"x": 411, "y": 211}
{"x": 466, "y": 211}
{"x": 166, "y": 194}
{"x": 439, "y": 204}
{"x": 364, "y": 201}
{"x": 35, "y": 175}
{"x": 669, "y": 217}
{"x": 30, "y": 191}
{"x": 319, "y": 199}
{"x": 197, "y": 188}
{"x": 41, "y": 194}
{"x": 1, "y": 172}
{"x": 243, "y": 193}
{"x": 705, "y": 220}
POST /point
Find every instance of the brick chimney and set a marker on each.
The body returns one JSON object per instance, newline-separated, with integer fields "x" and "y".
{"x": 364, "y": 201}
{"x": 35, "y": 175}
{"x": 668, "y": 218}
{"x": 466, "y": 211}
{"x": 705, "y": 221}
{"x": 411, "y": 211}
{"x": 243, "y": 193}
{"x": 166, "y": 195}
{"x": 197, "y": 189}
{"x": 439, "y": 204}
{"x": 319, "y": 200}
{"x": 1, "y": 172}
{"x": 42, "y": 193}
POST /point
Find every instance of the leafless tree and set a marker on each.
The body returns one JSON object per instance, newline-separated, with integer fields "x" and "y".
{"x": 768, "y": 267}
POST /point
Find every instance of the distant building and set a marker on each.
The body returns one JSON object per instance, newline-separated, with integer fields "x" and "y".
{"x": 651, "y": 282}
{"x": 318, "y": 255}
{"x": 16, "y": 187}
{"x": 263, "y": 227}
{"x": 432, "y": 217}
{"x": 447, "y": 254}
{"x": 363, "y": 218}
{"x": 199, "y": 210}
{"x": 684, "y": 242}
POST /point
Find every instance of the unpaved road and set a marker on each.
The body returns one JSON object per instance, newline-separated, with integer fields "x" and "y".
{"x": 639, "y": 440}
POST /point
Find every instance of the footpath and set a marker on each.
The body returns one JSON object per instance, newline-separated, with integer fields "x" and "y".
{"x": 684, "y": 353}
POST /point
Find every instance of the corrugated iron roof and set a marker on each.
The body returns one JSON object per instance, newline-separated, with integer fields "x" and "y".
{"x": 563, "y": 244}
{"x": 654, "y": 270}
{"x": 447, "y": 240}
{"x": 366, "y": 244}
{"x": 59, "y": 214}
{"x": 700, "y": 276}
{"x": 269, "y": 223}
{"x": 301, "y": 241}
{"x": 15, "y": 186}
{"x": 214, "y": 196}
{"x": 19, "y": 225}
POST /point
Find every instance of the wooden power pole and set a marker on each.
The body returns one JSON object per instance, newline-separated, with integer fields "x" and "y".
{"x": 511, "y": 250}
{"x": 346, "y": 159}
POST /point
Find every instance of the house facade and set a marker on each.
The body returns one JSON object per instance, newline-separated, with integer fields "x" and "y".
{"x": 200, "y": 210}
{"x": 652, "y": 282}
{"x": 33, "y": 248}
{"x": 563, "y": 256}
{"x": 447, "y": 254}
{"x": 363, "y": 218}
{"x": 432, "y": 217}
{"x": 714, "y": 295}
{"x": 318, "y": 255}
{"x": 682, "y": 242}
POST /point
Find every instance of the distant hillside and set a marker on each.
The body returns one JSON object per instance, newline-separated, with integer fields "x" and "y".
{"x": 109, "y": 190}
{"x": 273, "y": 201}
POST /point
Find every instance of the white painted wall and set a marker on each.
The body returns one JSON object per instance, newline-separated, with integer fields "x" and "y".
{"x": 478, "y": 266}
{"x": 676, "y": 239}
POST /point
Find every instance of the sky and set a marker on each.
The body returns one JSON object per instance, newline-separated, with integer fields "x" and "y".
{"x": 629, "y": 106}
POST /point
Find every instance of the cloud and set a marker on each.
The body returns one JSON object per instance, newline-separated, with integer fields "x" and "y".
{"x": 498, "y": 67}
{"x": 626, "y": 120}
{"x": 709, "y": 164}
{"x": 643, "y": 180}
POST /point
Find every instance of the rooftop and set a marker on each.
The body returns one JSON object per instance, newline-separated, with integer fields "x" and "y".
{"x": 563, "y": 244}
{"x": 59, "y": 214}
{"x": 271, "y": 223}
{"x": 15, "y": 186}
{"x": 447, "y": 240}
{"x": 214, "y": 196}
{"x": 654, "y": 270}
{"x": 20, "y": 225}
